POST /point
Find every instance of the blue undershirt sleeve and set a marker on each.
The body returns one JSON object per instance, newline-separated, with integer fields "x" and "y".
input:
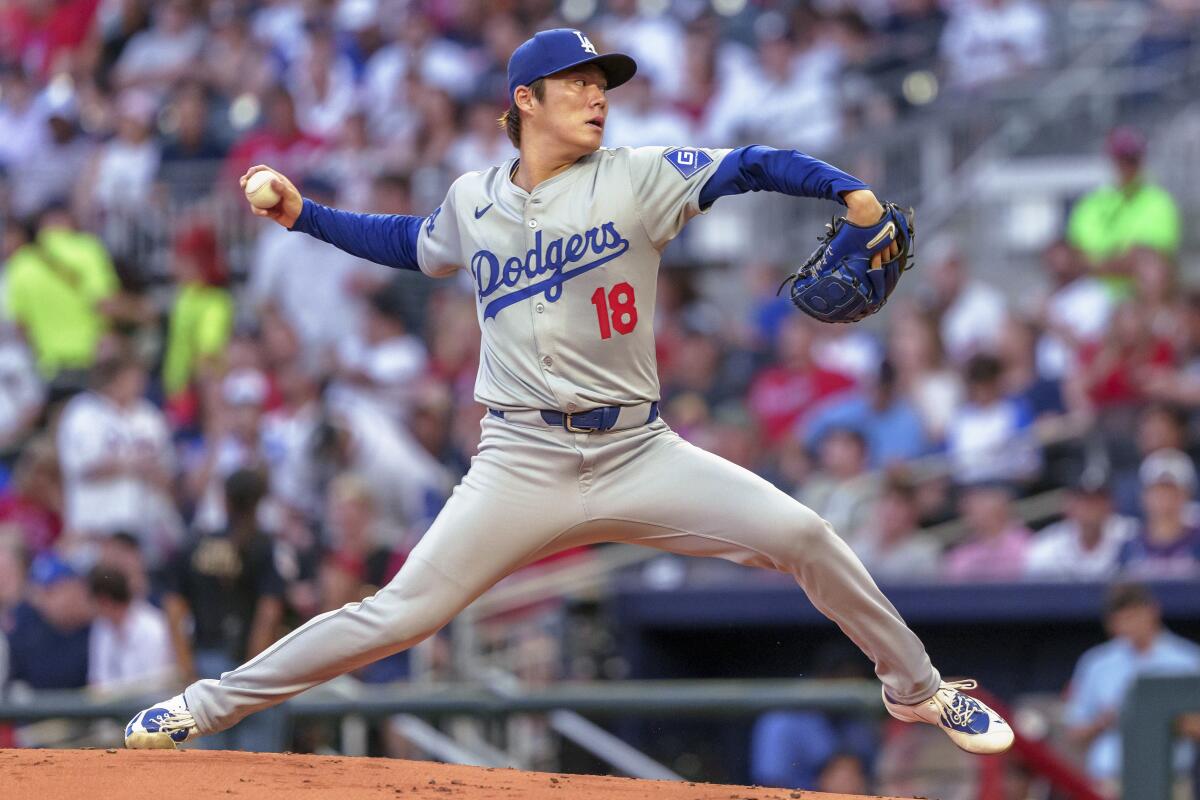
{"x": 388, "y": 239}
{"x": 758, "y": 168}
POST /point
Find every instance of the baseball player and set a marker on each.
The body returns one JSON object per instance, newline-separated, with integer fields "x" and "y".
{"x": 563, "y": 245}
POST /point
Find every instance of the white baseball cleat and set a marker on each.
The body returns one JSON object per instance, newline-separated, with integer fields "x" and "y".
{"x": 969, "y": 723}
{"x": 164, "y": 725}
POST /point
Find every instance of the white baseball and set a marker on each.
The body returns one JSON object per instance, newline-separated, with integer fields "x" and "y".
{"x": 259, "y": 191}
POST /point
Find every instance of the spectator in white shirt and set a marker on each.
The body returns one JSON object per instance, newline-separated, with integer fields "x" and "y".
{"x": 972, "y": 312}
{"x": 382, "y": 365}
{"x": 125, "y": 167}
{"x": 786, "y": 97}
{"x": 50, "y": 170}
{"x": 310, "y": 283}
{"x": 289, "y": 439}
{"x": 1076, "y": 312}
{"x": 407, "y": 483}
{"x": 22, "y": 390}
{"x": 639, "y": 119}
{"x": 22, "y": 118}
{"x": 129, "y": 646}
{"x": 991, "y": 438}
{"x": 322, "y": 84}
{"x": 114, "y": 449}
{"x": 656, "y": 41}
{"x": 1085, "y": 544}
{"x": 162, "y": 54}
{"x": 482, "y": 143}
{"x": 232, "y": 441}
{"x": 989, "y": 40}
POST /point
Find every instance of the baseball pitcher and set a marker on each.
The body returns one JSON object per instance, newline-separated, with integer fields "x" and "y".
{"x": 563, "y": 245}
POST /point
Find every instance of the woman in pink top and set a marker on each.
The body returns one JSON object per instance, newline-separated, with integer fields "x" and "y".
{"x": 996, "y": 545}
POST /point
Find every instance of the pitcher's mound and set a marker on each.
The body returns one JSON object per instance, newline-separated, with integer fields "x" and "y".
{"x": 155, "y": 774}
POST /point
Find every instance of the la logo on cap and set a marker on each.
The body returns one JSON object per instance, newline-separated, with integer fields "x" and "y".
{"x": 586, "y": 43}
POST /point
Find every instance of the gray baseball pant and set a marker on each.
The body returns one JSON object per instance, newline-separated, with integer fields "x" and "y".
{"x": 533, "y": 491}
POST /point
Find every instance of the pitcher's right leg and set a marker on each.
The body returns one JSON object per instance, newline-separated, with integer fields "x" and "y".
{"x": 520, "y": 494}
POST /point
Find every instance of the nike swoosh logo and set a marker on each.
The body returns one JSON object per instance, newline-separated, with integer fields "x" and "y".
{"x": 888, "y": 232}
{"x": 479, "y": 213}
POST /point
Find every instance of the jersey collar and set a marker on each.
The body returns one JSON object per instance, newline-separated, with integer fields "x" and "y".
{"x": 510, "y": 169}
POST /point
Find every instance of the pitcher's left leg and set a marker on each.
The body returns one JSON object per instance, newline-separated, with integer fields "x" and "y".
{"x": 684, "y": 499}
{"x": 654, "y": 489}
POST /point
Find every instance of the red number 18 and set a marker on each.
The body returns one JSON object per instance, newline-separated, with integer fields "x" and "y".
{"x": 624, "y": 313}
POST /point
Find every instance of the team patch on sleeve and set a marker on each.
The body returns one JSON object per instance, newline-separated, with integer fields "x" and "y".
{"x": 432, "y": 221}
{"x": 688, "y": 160}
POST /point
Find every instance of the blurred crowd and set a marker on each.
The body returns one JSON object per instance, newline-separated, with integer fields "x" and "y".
{"x": 201, "y": 451}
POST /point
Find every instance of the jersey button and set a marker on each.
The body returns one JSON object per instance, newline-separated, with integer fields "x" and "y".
{"x": 532, "y": 223}
{"x": 540, "y": 308}
{"x": 547, "y": 361}
{"x": 571, "y": 408}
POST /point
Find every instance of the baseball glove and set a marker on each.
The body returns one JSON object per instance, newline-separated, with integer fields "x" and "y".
{"x": 838, "y": 283}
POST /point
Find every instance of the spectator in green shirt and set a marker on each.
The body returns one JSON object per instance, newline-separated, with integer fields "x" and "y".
{"x": 202, "y": 317}
{"x": 59, "y": 287}
{"x": 1112, "y": 220}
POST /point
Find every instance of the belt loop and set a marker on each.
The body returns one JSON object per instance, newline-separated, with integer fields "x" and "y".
{"x": 496, "y": 413}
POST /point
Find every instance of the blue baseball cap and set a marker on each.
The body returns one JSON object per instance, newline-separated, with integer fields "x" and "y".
{"x": 554, "y": 50}
{"x": 48, "y": 569}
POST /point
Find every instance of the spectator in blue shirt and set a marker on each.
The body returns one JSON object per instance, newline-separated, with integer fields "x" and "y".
{"x": 48, "y": 642}
{"x": 1167, "y": 544}
{"x": 1140, "y": 645}
{"x": 796, "y": 749}
{"x": 888, "y": 421}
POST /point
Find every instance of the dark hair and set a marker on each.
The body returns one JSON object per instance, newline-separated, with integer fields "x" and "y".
{"x": 1176, "y": 415}
{"x": 1121, "y": 596}
{"x": 983, "y": 368}
{"x": 110, "y": 584}
{"x": 901, "y": 486}
{"x": 391, "y": 301}
{"x": 846, "y": 432}
{"x": 126, "y": 540}
{"x": 108, "y": 369}
{"x": 510, "y": 120}
{"x": 393, "y": 180}
{"x": 244, "y": 490}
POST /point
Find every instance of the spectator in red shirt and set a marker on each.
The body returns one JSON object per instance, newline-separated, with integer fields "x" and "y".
{"x": 783, "y": 395}
{"x": 1112, "y": 370}
{"x": 43, "y": 36}
{"x": 32, "y": 503}
{"x": 278, "y": 141}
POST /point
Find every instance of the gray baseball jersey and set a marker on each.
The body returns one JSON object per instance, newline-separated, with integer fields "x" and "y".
{"x": 565, "y": 275}
{"x": 565, "y": 279}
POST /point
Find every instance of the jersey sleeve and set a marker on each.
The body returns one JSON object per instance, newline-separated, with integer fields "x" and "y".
{"x": 439, "y": 247}
{"x": 666, "y": 186}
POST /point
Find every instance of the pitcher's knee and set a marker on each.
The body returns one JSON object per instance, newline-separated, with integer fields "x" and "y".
{"x": 809, "y": 536}
{"x": 394, "y": 619}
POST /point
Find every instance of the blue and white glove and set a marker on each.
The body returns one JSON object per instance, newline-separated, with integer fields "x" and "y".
{"x": 838, "y": 282}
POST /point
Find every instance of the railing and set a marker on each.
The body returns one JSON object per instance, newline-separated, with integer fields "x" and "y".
{"x": 1147, "y": 722}
{"x": 704, "y": 698}
{"x": 355, "y": 702}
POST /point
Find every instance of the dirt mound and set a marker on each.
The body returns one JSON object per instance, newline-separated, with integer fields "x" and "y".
{"x": 104, "y": 774}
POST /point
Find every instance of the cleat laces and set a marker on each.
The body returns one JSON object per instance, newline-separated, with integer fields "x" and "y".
{"x": 175, "y": 721}
{"x": 962, "y": 708}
